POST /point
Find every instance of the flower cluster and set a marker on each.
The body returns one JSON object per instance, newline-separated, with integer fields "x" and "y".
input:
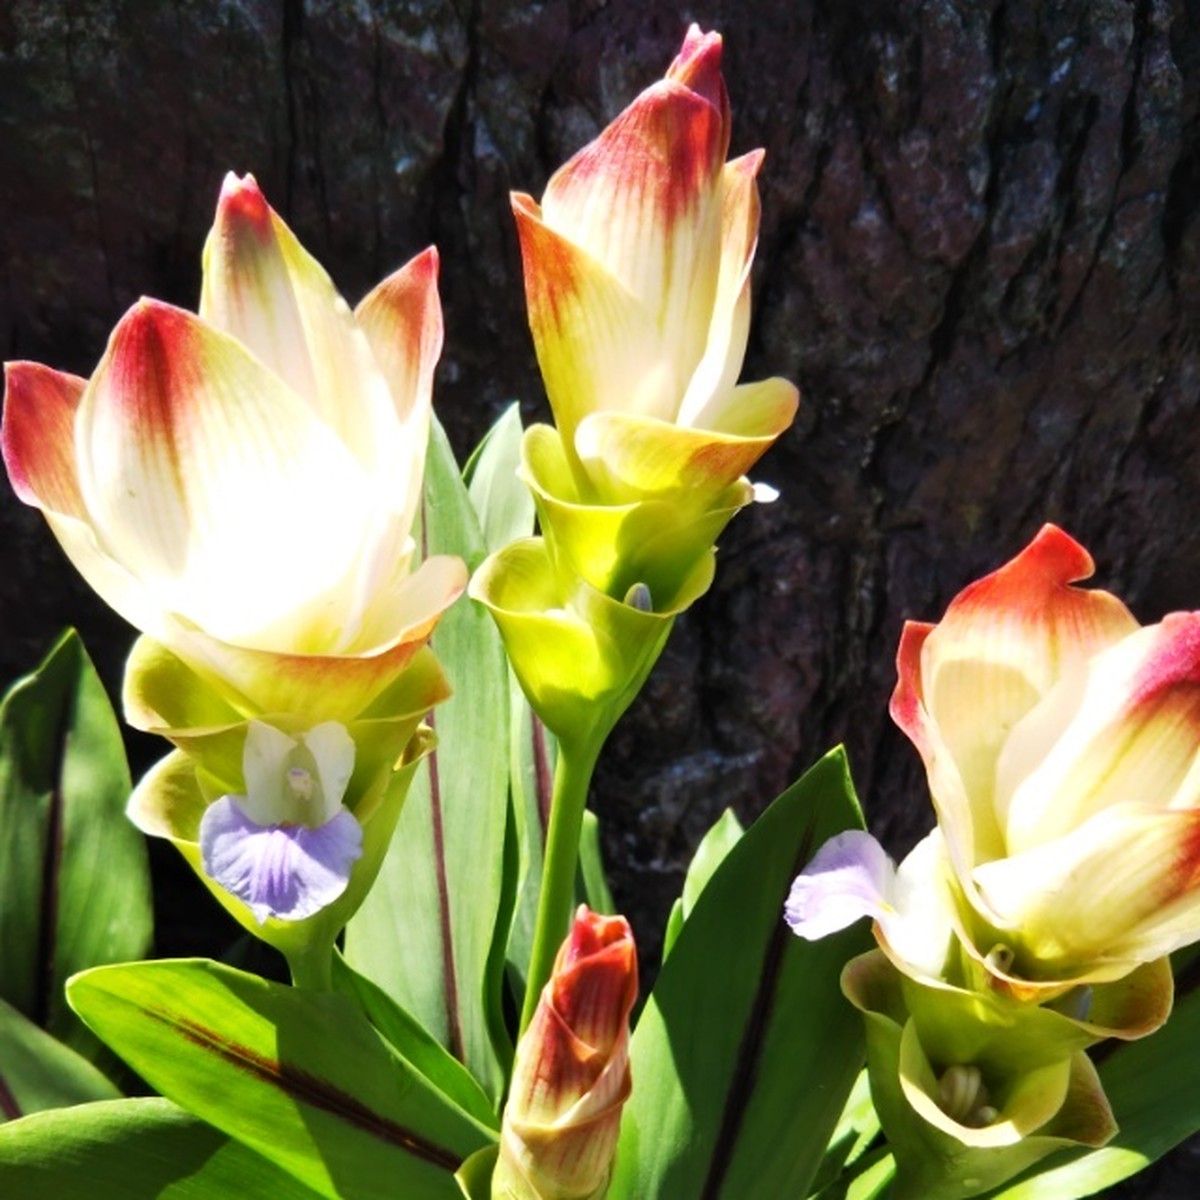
{"x": 1060, "y": 739}
{"x": 240, "y": 484}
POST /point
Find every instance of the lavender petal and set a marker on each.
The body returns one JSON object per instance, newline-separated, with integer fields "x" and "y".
{"x": 284, "y": 871}
{"x": 849, "y": 877}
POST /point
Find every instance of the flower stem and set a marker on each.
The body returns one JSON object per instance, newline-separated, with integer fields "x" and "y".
{"x": 311, "y": 966}
{"x": 556, "y": 900}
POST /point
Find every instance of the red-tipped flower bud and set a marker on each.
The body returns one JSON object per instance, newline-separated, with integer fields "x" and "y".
{"x": 571, "y": 1075}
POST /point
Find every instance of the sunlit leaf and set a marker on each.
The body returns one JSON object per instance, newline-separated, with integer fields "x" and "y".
{"x": 502, "y": 502}
{"x": 300, "y": 1077}
{"x": 415, "y": 1043}
{"x": 746, "y": 1044}
{"x": 725, "y": 833}
{"x": 426, "y": 931}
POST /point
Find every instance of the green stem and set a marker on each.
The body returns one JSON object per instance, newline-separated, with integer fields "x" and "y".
{"x": 311, "y": 965}
{"x": 556, "y": 900}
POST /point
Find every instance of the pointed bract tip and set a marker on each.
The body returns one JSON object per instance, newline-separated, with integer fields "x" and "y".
{"x": 242, "y": 200}
{"x": 147, "y": 314}
{"x": 523, "y": 204}
{"x": 698, "y": 66}
{"x": 427, "y": 264}
{"x": 697, "y": 44}
{"x": 1061, "y": 553}
{"x": 593, "y": 931}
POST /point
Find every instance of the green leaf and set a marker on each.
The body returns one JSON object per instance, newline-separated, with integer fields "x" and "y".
{"x": 475, "y": 1175}
{"x": 593, "y": 884}
{"x": 38, "y": 1071}
{"x": 415, "y": 1043}
{"x": 300, "y": 1077}
{"x": 1153, "y": 1086}
{"x": 426, "y": 930}
{"x": 533, "y": 753}
{"x": 857, "y": 1128}
{"x": 725, "y": 833}
{"x": 502, "y": 501}
{"x": 504, "y": 505}
{"x": 746, "y": 1050}
{"x": 74, "y": 881}
{"x": 145, "y": 1149}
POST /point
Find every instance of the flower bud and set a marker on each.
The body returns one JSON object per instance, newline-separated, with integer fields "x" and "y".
{"x": 571, "y": 1075}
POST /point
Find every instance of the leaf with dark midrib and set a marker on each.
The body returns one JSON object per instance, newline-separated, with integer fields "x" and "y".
{"x": 746, "y": 1042}
{"x": 306, "y": 1088}
{"x": 449, "y": 974}
{"x": 750, "y": 1050}
{"x": 51, "y": 880}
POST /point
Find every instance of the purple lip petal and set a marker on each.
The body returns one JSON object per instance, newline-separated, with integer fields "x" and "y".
{"x": 284, "y": 871}
{"x": 849, "y": 877}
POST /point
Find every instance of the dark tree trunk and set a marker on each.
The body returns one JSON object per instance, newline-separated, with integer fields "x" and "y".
{"x": 980, "y": 244}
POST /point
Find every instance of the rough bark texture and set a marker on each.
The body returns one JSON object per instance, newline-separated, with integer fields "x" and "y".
{"x": 980, "y": 244}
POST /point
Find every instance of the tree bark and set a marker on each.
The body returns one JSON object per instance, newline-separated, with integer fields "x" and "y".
{"x": 979, "y": 259}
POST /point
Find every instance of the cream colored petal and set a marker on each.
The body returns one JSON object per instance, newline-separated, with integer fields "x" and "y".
{"x": 330, "y": 686}
{"x": 402, "y": 320}
{"x": 262, "y": 287}
{"x": 1094, "y": 893}
{"x": 752, "y": 410}
{"x": 38, "y": 441}
{"x": 643, "y": 200}
{"x": 729, "y": 321}
{"x": 332, "y": 749}
{"x": 918, "y": 930}
{"x": 38, "y": 436}
{"x": 597, "y": 344}
{"x": 407, "y": 603}
{"x": 1002, "y": 645}
{"x": 264, "y": 766}
{"x": 213, "y": 485}
{"x": 971, "y": 834}
{"x": 1127, "y": 731}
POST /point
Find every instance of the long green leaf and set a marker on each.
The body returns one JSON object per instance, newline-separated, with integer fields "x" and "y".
{"x": 300, "y": 1077}
{"x": 746, "y": 1051}
{"x": 37, "y": 1071}
{"x": 856, "y": 1130}
{"x": 74, "y": 880}
{"x": 145, "y": 1149}
{"x": 415, "y": 1043}
{"x": 1153, "y": 1086}
{"x": 427, "y": 928}
{"x": 725, "y": 833}
{"x": 502, "y": 501}
{"x": 504, "y": 505}
{"x": 593, "y": 883}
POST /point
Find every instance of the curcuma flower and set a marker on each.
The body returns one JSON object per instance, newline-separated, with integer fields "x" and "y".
{"x": 1062, "y": 745}
{"x": 637, "y": 278}
{"x": 241, "y": 484}
{"x": 571, "y": 1075}
{"x": 637, "y": 274}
